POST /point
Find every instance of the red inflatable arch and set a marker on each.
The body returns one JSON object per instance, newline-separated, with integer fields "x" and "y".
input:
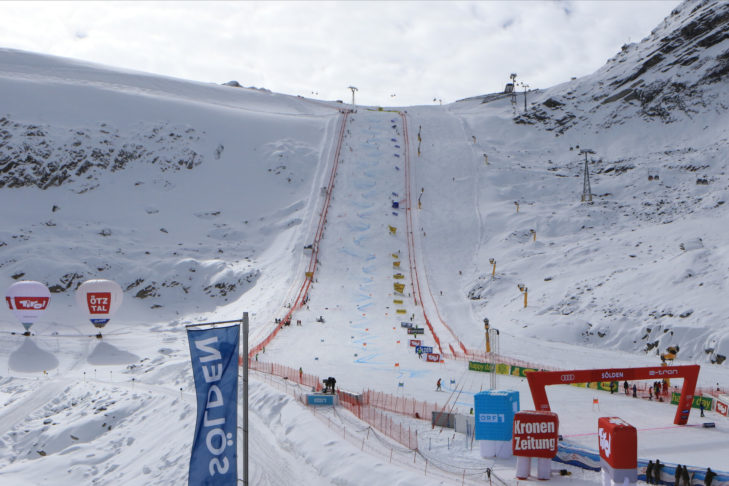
{"x": 538, "y": 380}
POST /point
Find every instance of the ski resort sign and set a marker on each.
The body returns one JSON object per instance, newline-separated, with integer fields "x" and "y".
{"x": 214, "y": 354}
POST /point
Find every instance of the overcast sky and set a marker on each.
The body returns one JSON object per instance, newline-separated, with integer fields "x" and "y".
{"x": 395, "y": 53}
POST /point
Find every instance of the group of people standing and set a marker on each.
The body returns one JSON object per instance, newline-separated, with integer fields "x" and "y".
{"x": 682, "y": 476}
{"x": 656, "y": 390}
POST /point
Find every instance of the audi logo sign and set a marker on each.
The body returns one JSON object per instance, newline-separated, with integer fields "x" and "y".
{"x": 566, "y": 378}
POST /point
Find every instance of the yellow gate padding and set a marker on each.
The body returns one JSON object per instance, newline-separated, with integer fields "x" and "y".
{"x": 402, "y": 311}
{"x": 396, "y": 264}
{"x": 397, "y": 301}
{"x": 399, "y": 287}
{"x": 392, "y": 229}
{"x": 398, "y": 276}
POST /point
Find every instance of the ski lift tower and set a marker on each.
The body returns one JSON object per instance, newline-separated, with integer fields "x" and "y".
{"x": 586, "y": 189}
{"x": 353, "y": 90}
{"x": 513, "y": 92}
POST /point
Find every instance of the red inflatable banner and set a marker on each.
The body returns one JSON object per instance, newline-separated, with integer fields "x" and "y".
{"x": 538, "y": 380}
{"x": 618, "y": 442}
{"x": 535, "y": 434}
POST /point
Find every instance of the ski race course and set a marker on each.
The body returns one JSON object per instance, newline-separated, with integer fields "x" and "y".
{"x": 371, "y": 238}
{"x": 345, "y": 224}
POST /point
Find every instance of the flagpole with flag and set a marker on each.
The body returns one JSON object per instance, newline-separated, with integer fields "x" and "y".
{"x": 214, "y": 354}
{"x": 244, "y": 396}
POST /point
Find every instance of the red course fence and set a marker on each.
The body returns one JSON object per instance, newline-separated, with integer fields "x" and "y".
{"x": 314, "y": 260}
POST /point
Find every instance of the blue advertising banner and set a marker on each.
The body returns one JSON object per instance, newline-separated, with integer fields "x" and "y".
{"x": 214, "y": 355}
{"x": 317, "y": 399}
{"x": 494, "y": 410}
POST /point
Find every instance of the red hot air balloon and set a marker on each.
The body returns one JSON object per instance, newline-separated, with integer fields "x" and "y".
{"x": 28, "y": 299}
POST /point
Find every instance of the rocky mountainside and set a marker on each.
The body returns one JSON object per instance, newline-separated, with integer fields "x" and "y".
{"x": 678, "y": 72}
{"x": 47, "y": 155}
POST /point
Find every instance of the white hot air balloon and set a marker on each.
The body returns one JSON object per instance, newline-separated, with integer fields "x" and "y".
{"x": 27, "y": 299}
{"x": 99, "y": 299}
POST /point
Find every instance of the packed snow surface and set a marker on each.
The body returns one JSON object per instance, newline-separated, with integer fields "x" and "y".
{"x": 199, "y": 201}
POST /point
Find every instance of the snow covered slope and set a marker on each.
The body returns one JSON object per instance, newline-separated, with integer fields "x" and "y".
{"x": 199, "y": 199}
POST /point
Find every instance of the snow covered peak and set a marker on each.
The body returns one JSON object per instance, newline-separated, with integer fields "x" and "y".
{"x": 680, "y": 70}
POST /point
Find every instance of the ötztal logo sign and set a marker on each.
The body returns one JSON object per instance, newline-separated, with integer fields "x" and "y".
{"x": 98, "y": 302}
{"x": 535, "y": 434}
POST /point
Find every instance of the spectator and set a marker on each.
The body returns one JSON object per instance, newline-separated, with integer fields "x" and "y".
{"x": 685, "y": 476}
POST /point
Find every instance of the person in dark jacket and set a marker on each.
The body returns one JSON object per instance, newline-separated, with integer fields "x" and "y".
{"x": 709, "y": 477}
{"x": 685, "y": 476}
{"x": 635, "y": 391}
{"x": 677, "y": 476}
{"x": 626, "y": 387}
{"x": 649, "y": 473}
{"x": 657, "y": 472}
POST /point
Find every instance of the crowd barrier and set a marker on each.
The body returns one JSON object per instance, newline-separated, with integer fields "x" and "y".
{"x": 590, "y": 459}
{"x": 287, "y": 372}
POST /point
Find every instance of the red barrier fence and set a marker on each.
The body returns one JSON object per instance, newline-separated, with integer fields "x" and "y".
{"x": 399, "y": 404}
{"x": 302, "y": 296}
{"x": 292, "y": 374}
{"x": 361, "y": 407}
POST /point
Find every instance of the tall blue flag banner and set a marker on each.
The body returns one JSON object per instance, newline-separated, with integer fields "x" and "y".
{"x": 214, "y": 355}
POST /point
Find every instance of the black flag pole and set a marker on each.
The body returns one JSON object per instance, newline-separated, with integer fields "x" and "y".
{"x": 244, "y": 395}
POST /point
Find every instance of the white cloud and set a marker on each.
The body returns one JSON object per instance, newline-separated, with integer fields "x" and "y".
{"x": 418, "y": 50}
